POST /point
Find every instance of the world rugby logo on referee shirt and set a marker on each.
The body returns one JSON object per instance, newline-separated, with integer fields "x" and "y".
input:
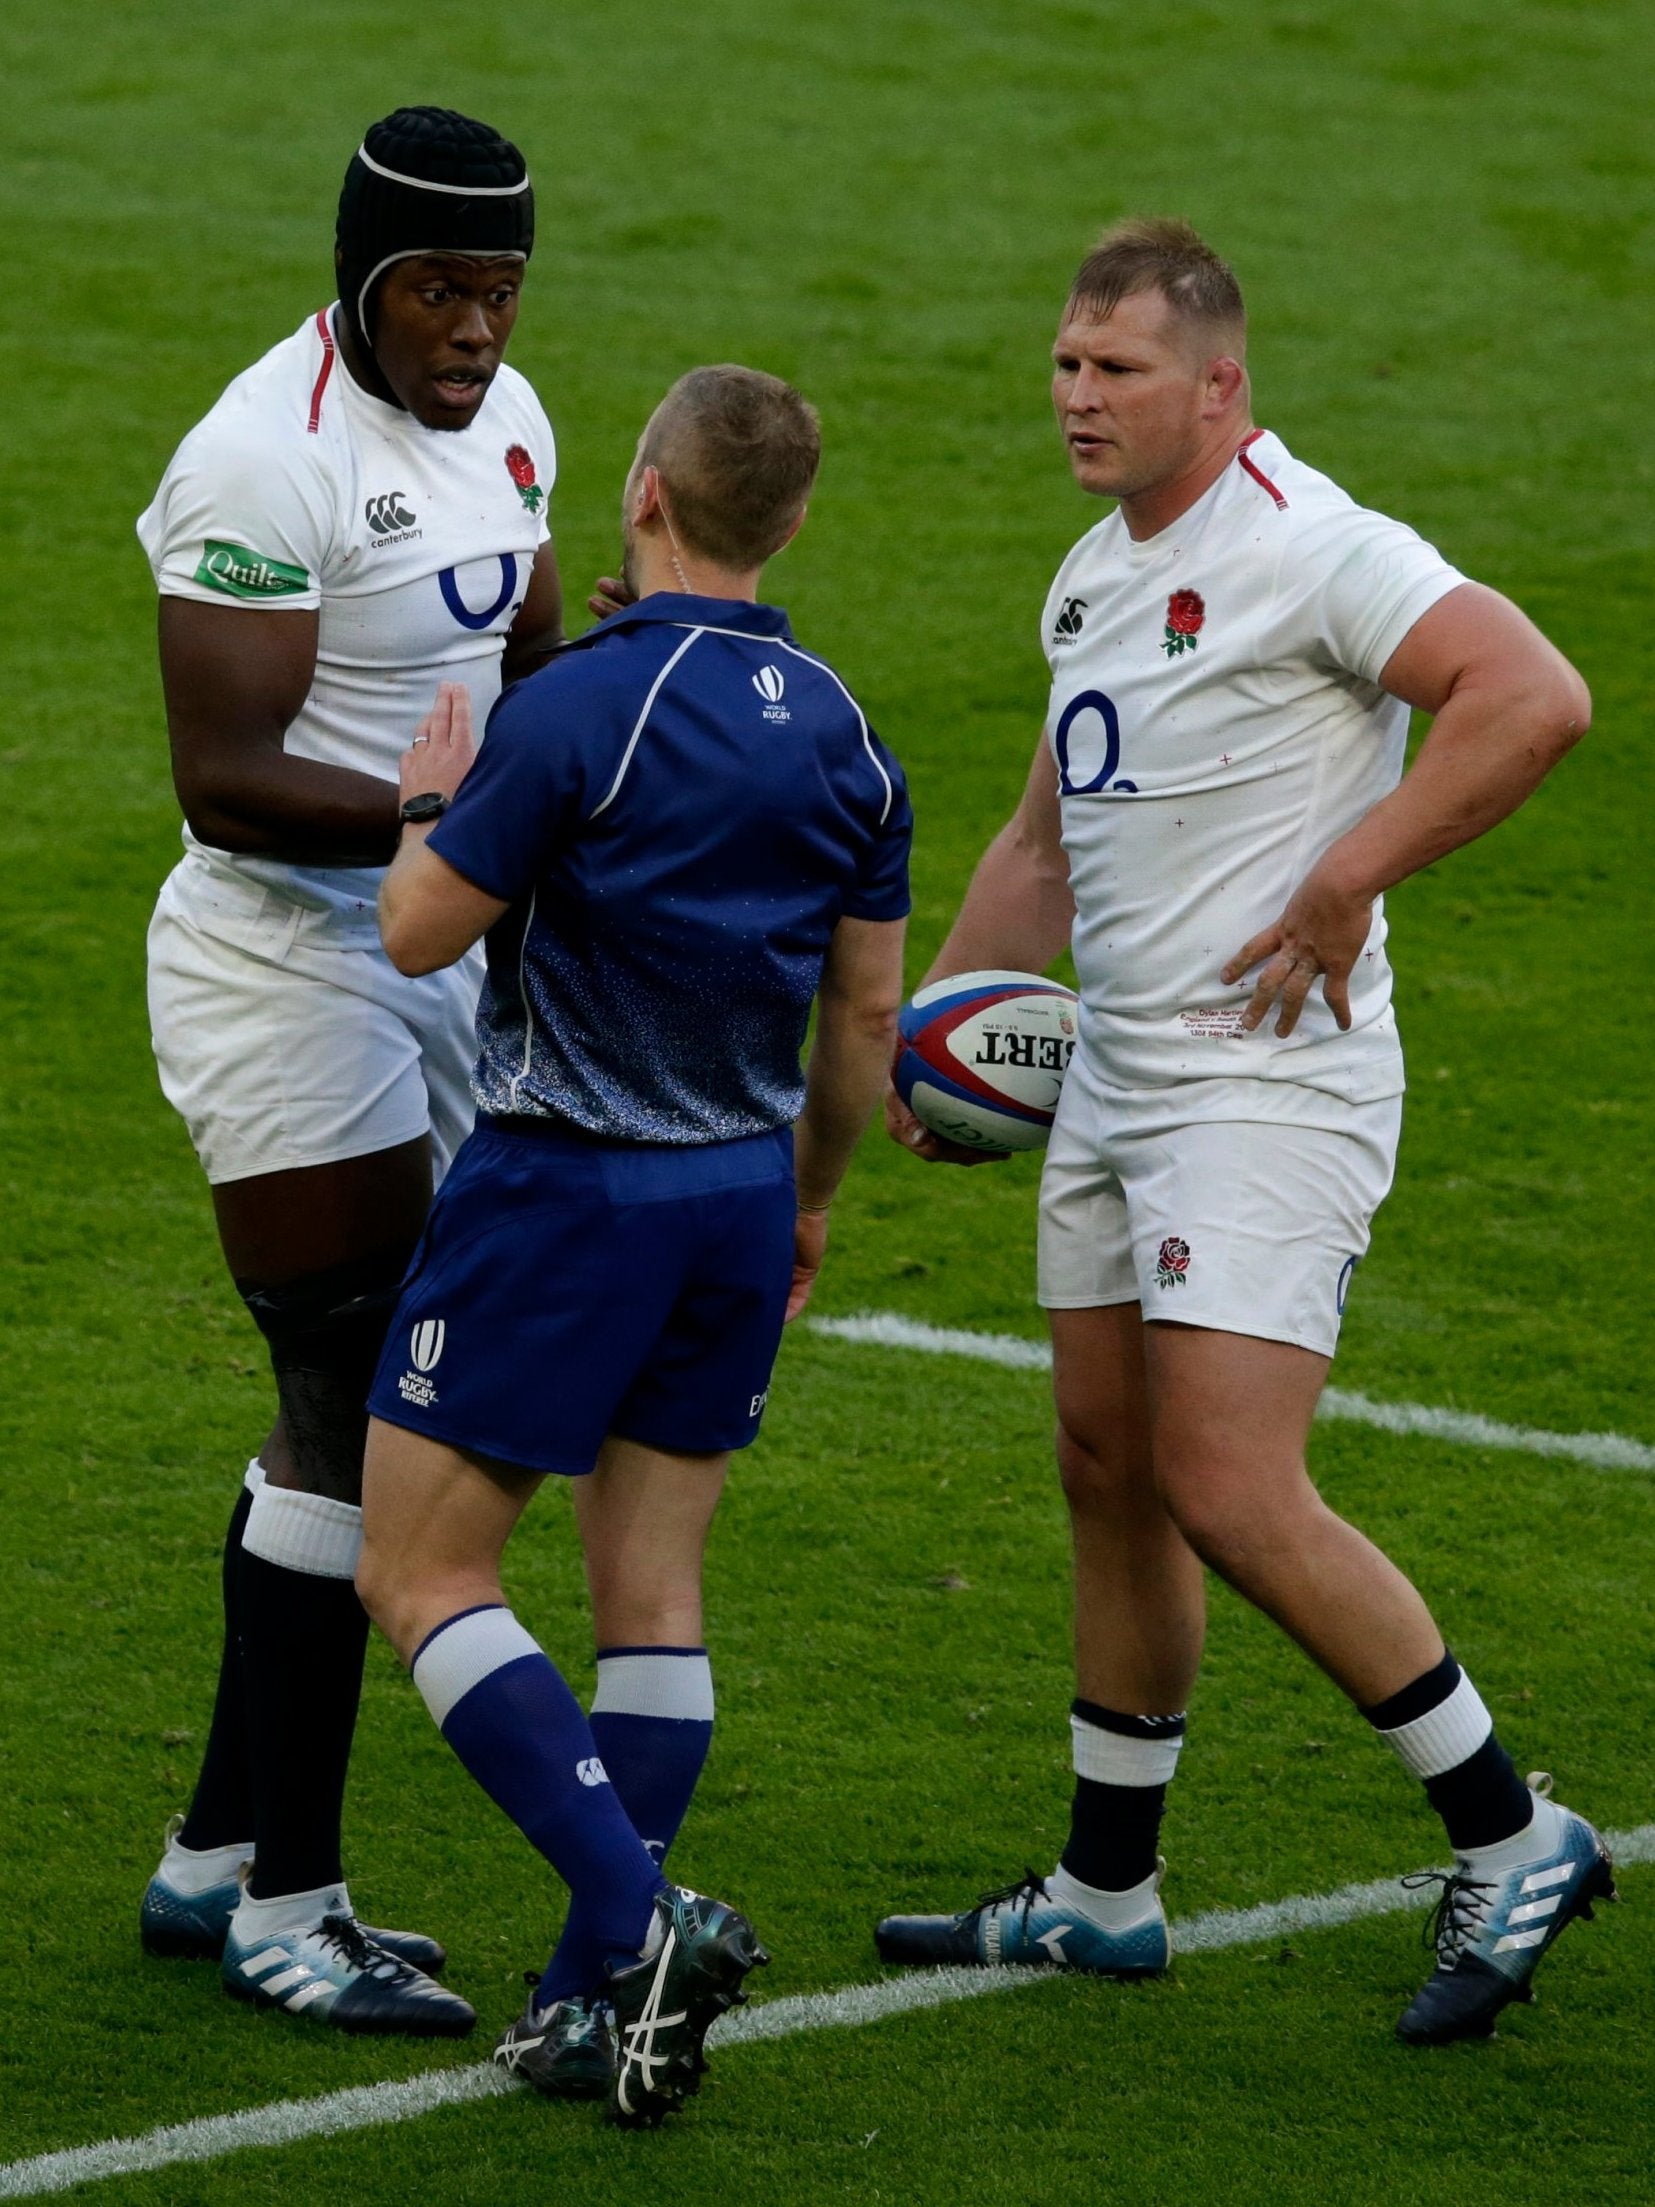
{"x": 769, "y": 684}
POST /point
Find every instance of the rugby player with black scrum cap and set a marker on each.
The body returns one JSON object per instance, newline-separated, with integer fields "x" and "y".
{"x": 360, "y": 517}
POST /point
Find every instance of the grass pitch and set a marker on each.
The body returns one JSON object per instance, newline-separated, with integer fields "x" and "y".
{"x": 1442, "y": 219}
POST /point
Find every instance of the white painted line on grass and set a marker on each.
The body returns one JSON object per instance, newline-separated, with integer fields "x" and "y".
{"x": 367, "y": 2105}
{"x": 280, "y": 2124}
{"x": 886, "y": 1329}
{"x": 1605, "y": 1451}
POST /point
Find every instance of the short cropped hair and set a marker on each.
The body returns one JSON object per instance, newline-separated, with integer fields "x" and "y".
{"x": 1160, "y": 253}
{"x": 737, "y": 452}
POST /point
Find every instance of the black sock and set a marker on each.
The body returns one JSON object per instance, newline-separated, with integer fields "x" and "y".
{"x": 1113, "y": 1834}
{"x": 1482, "y": 1799}
{"x": 221, "y": 1812}
{"x": 304, "y": 1638}
{"x": 1445, "y": 1736}
{"x": 1123, "y": 1765}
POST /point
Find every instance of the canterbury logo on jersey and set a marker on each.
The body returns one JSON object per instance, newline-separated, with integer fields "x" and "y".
{"x": 1067, "y": 625}
{"x": 386, "y": 515}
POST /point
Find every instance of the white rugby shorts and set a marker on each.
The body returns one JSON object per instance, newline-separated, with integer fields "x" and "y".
{"x": 1249, "y": 1226}
{"x": 278, "y": 1047}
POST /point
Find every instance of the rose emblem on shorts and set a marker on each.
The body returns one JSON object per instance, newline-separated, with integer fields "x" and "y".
{"x": 1186, "y": 616}
{"x": 520, "y": 467}
{"x": 1172, "y": 1263}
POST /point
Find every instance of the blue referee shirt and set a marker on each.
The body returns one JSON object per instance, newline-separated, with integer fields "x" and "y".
{"x": 679, "y": 810}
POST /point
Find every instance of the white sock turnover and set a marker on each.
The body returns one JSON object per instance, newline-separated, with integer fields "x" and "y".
{"x": 195, "y": 1870}
{"x": 262, "y": 1919}
{"x": 1109, "y": 1911}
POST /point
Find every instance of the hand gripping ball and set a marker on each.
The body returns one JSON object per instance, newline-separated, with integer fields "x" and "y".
{"x": 982, "y": 1057}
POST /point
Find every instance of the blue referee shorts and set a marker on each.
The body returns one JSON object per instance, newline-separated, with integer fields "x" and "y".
{"x": 566, "y": 1289}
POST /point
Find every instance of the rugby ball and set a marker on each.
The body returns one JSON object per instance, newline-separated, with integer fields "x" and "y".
{"x": 982, "y": 1057}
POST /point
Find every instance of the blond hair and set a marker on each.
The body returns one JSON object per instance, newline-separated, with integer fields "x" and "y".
{"x": 737, "y": 452}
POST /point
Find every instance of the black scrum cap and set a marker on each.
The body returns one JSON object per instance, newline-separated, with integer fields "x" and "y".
{"x": 426, "y": 180}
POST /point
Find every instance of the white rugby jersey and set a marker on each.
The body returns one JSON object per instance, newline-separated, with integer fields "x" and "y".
{"x": 301, "y": 489}
{"x": 1217, "y": 722}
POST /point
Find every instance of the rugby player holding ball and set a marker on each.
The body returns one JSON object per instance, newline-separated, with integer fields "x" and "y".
{"x": 1215, "y": 809}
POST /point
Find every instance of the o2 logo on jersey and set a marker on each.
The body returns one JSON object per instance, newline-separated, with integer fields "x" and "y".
{"x": 483, "y": 616}
{"x": 1076, "y": 742}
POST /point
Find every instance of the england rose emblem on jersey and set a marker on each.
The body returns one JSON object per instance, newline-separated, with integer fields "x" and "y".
{"x": 1172, "y": 1263}
{"x": 520, "y": 467}
{"x": 1186, "y": 615}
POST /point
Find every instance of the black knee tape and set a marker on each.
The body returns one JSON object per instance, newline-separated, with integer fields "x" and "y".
{"x": 333, "y": 1321}
{"x": 325, "y": 1332}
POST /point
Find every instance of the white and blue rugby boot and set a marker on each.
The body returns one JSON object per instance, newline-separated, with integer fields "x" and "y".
{"x": 188, "y": 1903}
{"x": 1031, "y": 1923}
{"x": 1501, "y": 1909}
{"x": 336, "y": 1972}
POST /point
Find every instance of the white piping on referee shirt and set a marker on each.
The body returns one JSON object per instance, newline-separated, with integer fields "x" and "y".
{"x": 522, "y": 1073}
{"x": 638, "y": 729}
{"x": 745, "y": 636}
{"x": 810, "y": 660}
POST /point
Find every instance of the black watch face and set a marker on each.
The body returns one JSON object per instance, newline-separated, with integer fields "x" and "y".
{"x": 430, "y": 806}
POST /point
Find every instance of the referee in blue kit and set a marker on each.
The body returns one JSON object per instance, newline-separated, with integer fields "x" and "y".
{"x": 679, "y": 835}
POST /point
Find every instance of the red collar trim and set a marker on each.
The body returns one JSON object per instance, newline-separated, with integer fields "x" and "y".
{"x": 1257, "y": 473}
{"x": 322, "y": 373}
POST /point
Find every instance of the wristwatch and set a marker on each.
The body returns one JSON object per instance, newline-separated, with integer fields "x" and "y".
{"x": 431, "y": 804}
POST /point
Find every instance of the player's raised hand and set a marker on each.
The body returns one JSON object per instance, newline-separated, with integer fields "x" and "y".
{"x": 1323, "y": 931}
{"x": 610, "y": 595}
{"x": 444, "y": 745}
{"x": 904, "y": 1128}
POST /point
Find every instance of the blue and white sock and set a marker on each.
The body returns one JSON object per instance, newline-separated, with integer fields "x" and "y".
{"x": 652, "y": 1719}
{"x": 505, "y": 1710}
